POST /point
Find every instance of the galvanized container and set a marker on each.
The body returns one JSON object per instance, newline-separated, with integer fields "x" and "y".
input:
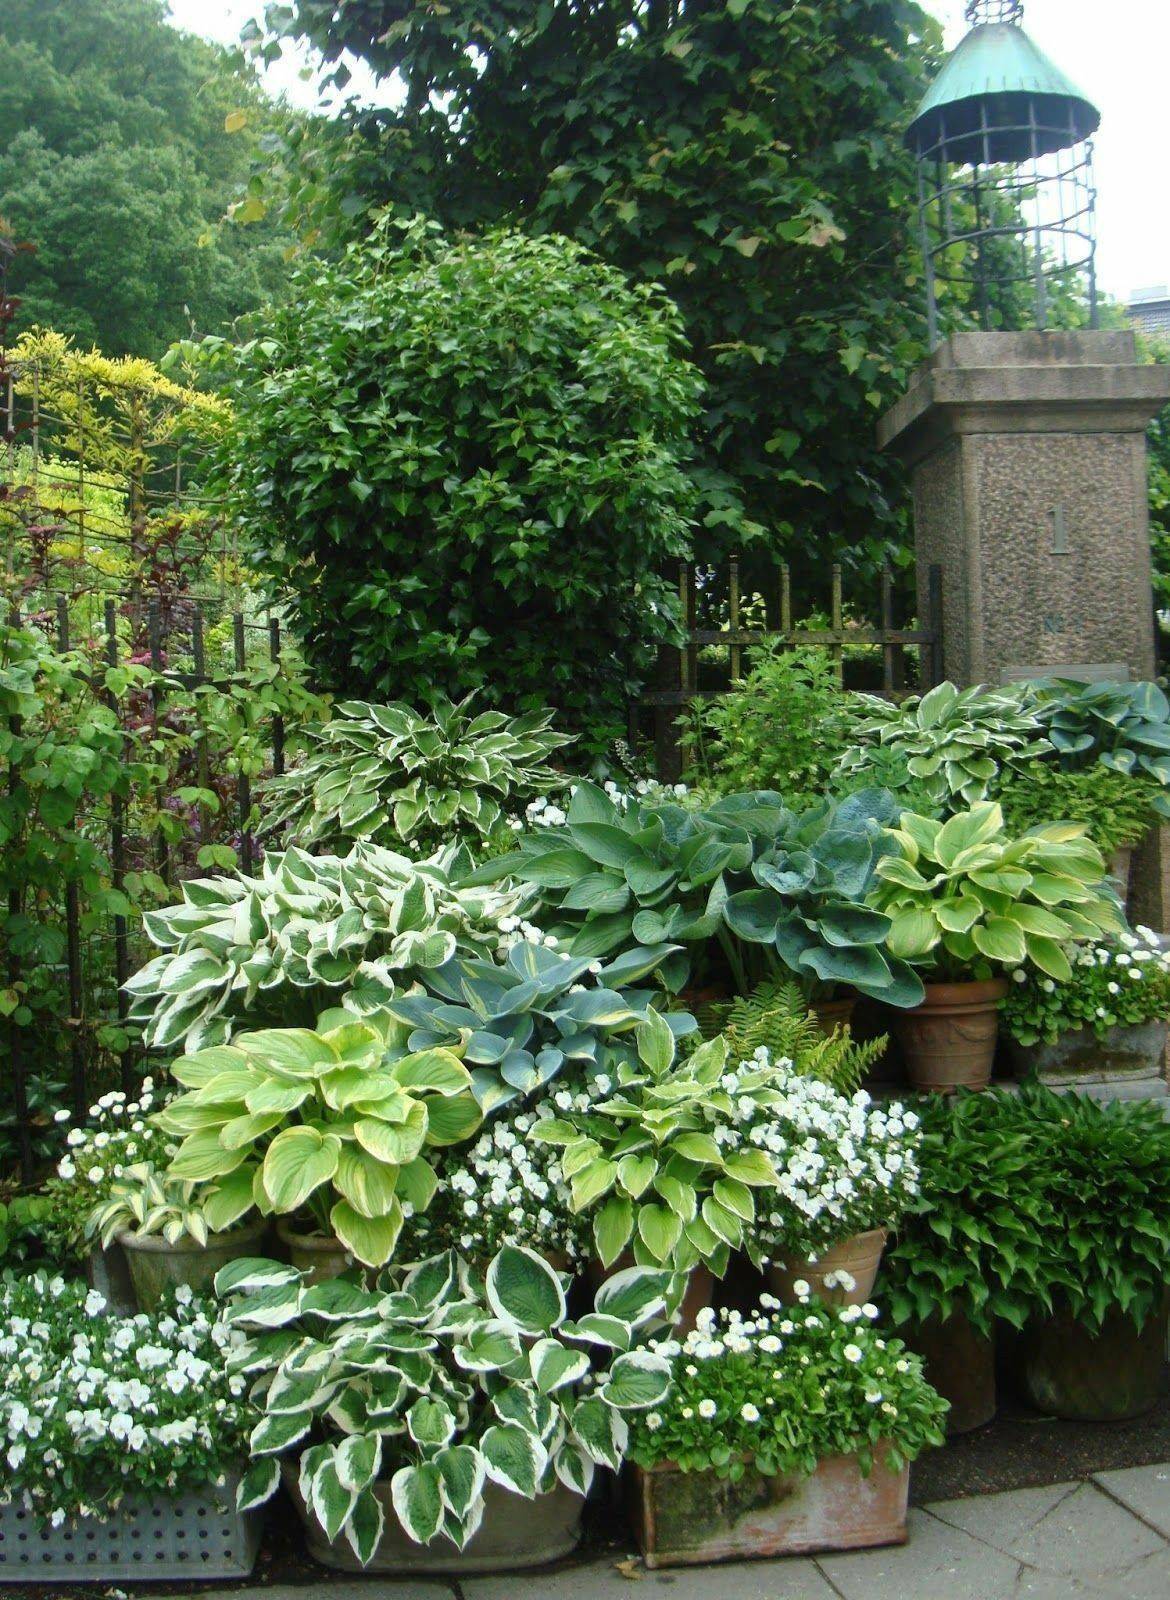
{"x": 199, "y": 1536}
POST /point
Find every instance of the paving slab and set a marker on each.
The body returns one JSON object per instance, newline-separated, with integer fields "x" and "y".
{"x": 1145, "y": 1490}
{"x": 1087, "y": 1535}
{"x": 374, "y": 1588}
{"x": 1002, "y": 1519}
{"x": 793, "y": 1579}
{"x": 940, "y": 1562}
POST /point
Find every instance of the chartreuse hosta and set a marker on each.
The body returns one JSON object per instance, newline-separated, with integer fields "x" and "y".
{"x": 963, "y": 897}
{"x": 287, "y": 1121}
{"x": 657, "y": 1157}
{"x": 440, "y": 1379}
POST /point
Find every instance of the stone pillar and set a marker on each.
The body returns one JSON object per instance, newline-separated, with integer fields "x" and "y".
{"x": 1027, "y": 456}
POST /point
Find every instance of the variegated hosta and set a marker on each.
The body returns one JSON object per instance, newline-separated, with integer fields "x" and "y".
{"x": 950, "y": 743}
{"x": 656, "y": 1153}
{"x": 278, "y": 947}
{"x": 288, "y": 1121}
{"x": 395, "y": 776}
{"x": 519, "y": 1023}
{"x": 964, "y": 898}
{"x": 439, "y": 1380}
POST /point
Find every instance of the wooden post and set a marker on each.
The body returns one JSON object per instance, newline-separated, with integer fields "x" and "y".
{"x": 244, "y": 787}
{"x": 118, "y": 862}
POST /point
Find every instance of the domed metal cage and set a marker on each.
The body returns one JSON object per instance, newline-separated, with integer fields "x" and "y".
{"x": 1007, "y": 201}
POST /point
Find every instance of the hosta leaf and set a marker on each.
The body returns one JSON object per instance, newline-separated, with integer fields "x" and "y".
{"x": 272, "y": 1435}
{"x": 364, "y": 1529}
{"x": 612, "y": 1227}
{"x": 659, "y": 1229}
{"x": 523, "y": 1290}
{"x": 417, "y": 1496}
{"x": 258, "y": 1484}
{"x": 201, "y": 1157}
{"x": 357, "y": 1460}
{"x": 636, "y": 1381}
{"x": 297, "y": 1163}
{"x": 601, "y": 1432}
{"x": 370, "y": 1239}
{"x": 513, "y": 1458}
{"x": 554, "y": 1366}
{"x": 461, "y": 1468}
{"x": 367, "y": 1184}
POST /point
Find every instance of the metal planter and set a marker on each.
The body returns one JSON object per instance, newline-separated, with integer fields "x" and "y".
{"x": 199, "y": 1536}
{"x": 683, "y": 1518}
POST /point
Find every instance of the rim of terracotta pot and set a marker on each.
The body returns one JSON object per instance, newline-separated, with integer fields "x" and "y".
{"x": 130, "y": 1239}
{"x": 865, "y": 1242}
{"x": 976, "y": 991}
{"x": 321, "y": 1243}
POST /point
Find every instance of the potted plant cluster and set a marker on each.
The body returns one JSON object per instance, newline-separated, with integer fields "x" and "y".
{"x": 787, "y": 1431}
{"x": 1107, "y": 1020}
{"x": 433, "y": 1402}
{"x": 125, "y": 1439}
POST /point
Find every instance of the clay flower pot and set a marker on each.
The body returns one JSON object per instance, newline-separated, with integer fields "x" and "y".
{"x": 156, "y": 1265}
{"x": 319, "y": 1255}
{"x": 1064, "y": 1370}
{"x": 860, "y": 1256}
{"x": 948, "y": 1042}
{"x": 833, "y": 1013}
{"x": 960, "y": 1364}
{"x": 682, "y": 1518}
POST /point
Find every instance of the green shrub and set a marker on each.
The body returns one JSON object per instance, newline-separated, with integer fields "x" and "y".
{"x": 1115, "y": 807}
{"x": 462, "y": 461}
{"x": 1120, "y": 982}
{"x": 782, "y": 727}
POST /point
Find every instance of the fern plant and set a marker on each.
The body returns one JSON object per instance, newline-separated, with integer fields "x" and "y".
{"x": 776, "y": 1018}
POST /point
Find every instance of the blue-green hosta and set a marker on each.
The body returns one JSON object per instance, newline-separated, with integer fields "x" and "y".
{"x": 279, "y": 946}
{"x": 965, "y": 899}
{"x": 397, "y": 776}
{"x": 286, "y": 1121}
{"x": 518, "y": 1023}
{"x": 438, "y": 1380}
{"x": 1124, "y": 726}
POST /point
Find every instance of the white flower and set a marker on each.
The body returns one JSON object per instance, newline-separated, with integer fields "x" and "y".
{"x": 707, "y": 1408}
{"x": 852, "y": 1352}
{"x": 749, "y": 1413}
{"x": 800, "y": 1288}
{"x": 653, "y": 1421}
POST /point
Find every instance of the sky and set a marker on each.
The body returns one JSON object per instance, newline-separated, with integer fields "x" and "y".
{"x": 1118, "y": 54}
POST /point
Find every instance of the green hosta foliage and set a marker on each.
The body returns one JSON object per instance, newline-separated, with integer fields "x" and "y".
{"x": 647, "y": 1148}
{"x": 1121, "y": 982}
{"x": 461, "y": 461}
{"x": 1034, "y": 1202}
{"x": 145, "y": 1202}
{"x": 301, "y": 934}
{"x": 286, "y": 1120}
{"x": 967, "y": 900}
{"x": 438, "y": 1380}
{"x": 1116, "y": 808}
{"x": 781, "y": 1391}
{"x": 519, "y": 1023}
{"x": 778, "y": 892}
{"x": 975, "y": 1242}
{"x": 776, "y": 1018}
{"x": 953, "y": 744}
{"x": 782, "y": 727}
{"x": 396, "y": 776}
{"x": 1124, "y": 726}
{"x": 747, "y": 154}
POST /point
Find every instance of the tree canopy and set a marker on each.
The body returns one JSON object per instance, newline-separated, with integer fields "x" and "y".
{"x": 117, "y": 166}
{"x": 745, "y": 153}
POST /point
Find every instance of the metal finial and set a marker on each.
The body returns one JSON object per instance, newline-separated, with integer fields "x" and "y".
{"x": 994, "y": 11}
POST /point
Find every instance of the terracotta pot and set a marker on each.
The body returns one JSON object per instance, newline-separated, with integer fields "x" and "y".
{"x": 682, "y": 1518}
{"x": 831, "y": 1014}
{"x": 1126, "y": 1052}
{"x": 156, "y": 1265}
{"x": 948, "y": 1042}
{"x": 860, "y": 1256}
{"x": 706, "y": 1004}
{"x": 697, "y": 1296}
{"x": 515, "y": 1533}
{"x": 1066, "y": 1371}
{"x": 960, "y": 1364}
{"x": 319, "y": 1255}
{"x": 107, "y": 1271}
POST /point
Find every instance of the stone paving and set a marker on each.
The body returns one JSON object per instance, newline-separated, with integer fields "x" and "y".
{"x": 1104, "y": 1539}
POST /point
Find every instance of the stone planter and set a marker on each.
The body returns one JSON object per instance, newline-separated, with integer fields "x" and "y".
{"x": 960, "y": 1364}
{"x": 156, "y": 1265}
{"x": 318, "y": 1255}
{"x": 682, "y": 1518}
{"x": 515, "y": 1534}
{"x": 859, "y": 1256}
{"x": 1124, "y": 1053}
{"x": 697, "y": 1296}
{"x": 107, "y": 1272}
{"x": 201, "y": 1535}
{"x": 1066, "y": 1371}
{"x": 948, "y": 1042}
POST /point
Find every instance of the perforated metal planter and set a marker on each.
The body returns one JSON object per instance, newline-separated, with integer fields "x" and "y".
{"x": 199, "y": 1536}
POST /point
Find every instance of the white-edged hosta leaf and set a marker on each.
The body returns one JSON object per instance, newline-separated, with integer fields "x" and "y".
{"x": 249, "y": 1273}
{"x": 417, "y": 1496}
{"x": 635, "y": 1295}
{"x": 637, "y": 1380}
{"x": 574, "y": 1468}
{"x": 370, "y": 1239}
{"x": 272, "y": 1435}
{"x": 296, "y": 1164}
{"x": 431, "y": 1422}
{"x": 357, "y": 1461}
{"x": 332, "y": 1501}
{"x": 462, "y": 1469}
{"x": 363, "y": 1531}
{"x": 597, "y": 1328}
{"x": 513, "y": 1458}
{"x": 553, "y": 1366}
{"x": 489, "y": 1348}
{"x": 522, "y": 1289}
{"x": 602, "y": 1432}
{"x": 258, "y": 1484}
{"x": 367, "y": 1183}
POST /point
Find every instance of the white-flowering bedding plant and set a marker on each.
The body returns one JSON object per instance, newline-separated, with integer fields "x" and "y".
{"x": 786, "y": 1388}
{"x": 1117, "y": 982}
{"x": 846, "y": 1163}
{"x": 93, "y": 1408}
{"x": 505, "y": 1188}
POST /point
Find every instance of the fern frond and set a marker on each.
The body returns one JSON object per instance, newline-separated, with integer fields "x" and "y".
{"x": 776, "y": 1017}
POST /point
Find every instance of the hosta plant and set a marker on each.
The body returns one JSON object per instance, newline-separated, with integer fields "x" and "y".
{"x": 288, "y": 1122}
{"x": 967, "y": 900}
{"x": 656, "y": 1153}
{"x": 279, "y": 946}
{"x": 413, "y": 778}
{"x": 117, "y": 1136}
{"x": 520, "y": 1022}
{"x": 951, "y": 743}
{"x": 439, "y": 1380}
{"x": 1124, "y": 726}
